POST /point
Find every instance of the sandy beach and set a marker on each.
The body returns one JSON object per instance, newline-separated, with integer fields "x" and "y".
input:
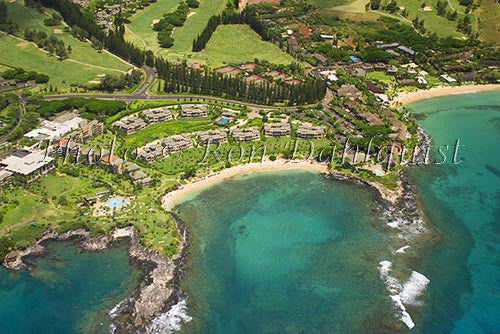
{"x": 404, "y": 98}
{"x": 175, "y": 197}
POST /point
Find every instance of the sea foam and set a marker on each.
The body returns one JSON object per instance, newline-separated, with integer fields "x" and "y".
{"x": 406, "y": 294}
{"x": 171, "y": 321}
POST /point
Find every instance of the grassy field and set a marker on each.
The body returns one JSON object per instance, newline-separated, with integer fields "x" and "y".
{"x": 140, "y": 32}
{"x": 83, "y": 65}
{"x": 489, "y": 26}
{"x": 237, "y": 44}
{"x": 194, "y": 25}
{"x": 433, "y": 22}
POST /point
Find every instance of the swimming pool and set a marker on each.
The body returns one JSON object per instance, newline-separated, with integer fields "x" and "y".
{"x": 223, "y": 121}
{"x": 116, "y": 203}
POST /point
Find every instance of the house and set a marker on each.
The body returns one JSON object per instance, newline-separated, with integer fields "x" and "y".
{"x": 229, "y": 71}
{"x": 467, "y": 76}
{"x": 277, "y": 129}
{"x": 349, "y": 91}
{"x": 387, "y": 46}
{"x": 292, "y": 44}
{"x": 194, "y": 110}
{"x": 157, "y": 114}
{"x": 406, "y": 82}
{"x": 310, "y": 132}
{"x": 212, "y": 137}
{"x": 320, "y": 58}
{"x": 421, "y": 80}
{"x": 406, "y": 50}
{"x": 305, "y": 32}
{"x": 374, "y": 88}
{"x": 29, "y": 164}
{"x": 130, "y": 124}
{"x": 246, "y": 134}
{"x": 380, "y": 67}
{"x": 489, "y": 63}
{"x": 392, "y": 69}
{"x": 354, "y": 59}
{"x": 357, "y": 72}
{"x": 447, "y": 78}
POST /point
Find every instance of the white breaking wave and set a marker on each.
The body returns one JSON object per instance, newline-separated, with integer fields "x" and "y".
{"x": 401, "y": 250}
{"x": 171, "y": 321}
{"x": 403, "y": 294}
{"x": 414, "y": 288}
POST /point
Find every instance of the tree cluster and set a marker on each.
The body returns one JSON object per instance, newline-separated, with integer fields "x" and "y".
{"x": 19, "y": 74}
{"x": 52, "y": 21}
{"x": 6, "y": 24}
{"x": 110, "y": 82}
{"x": 51, "y": 44}
{"x": 184, "y": 79}
{"x": 168, "y": 22}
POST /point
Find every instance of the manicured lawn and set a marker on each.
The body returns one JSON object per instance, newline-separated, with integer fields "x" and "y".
{"x": 165, "y": 129}
{"x": 83, "y": 65}
{"x": 194, "y": 25}
{"x": 356, "y": 6}
{"x": 140, "y": 32}
{"x": 237, "y": 44}
{"x": 433, "y": 22}
{"x": 17, "y": 53}
{"x": 489, "y": 27}
{"x": 380, "y": 76}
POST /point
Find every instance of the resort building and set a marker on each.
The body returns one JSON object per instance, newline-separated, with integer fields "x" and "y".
{"x": 246, "y": 134}
{"x": 194, "y": 110}
{"x": 113, "y": 163}
{"x": 130, "y": 124}
{"x": 160, "y": 148}
{"x": 29, "y": 164}
{"x": 213, "y": 137}
{"x": 136, "y": 174}
{"x": 177, "y": 143}
{"x": 157, "y": 115}
{"x": 310, "y": 132}
{"x": 52, "y": 130}
{"x": 4, "y": 176}
{"x": 89, "y": 129}
{"x": 151, "y": 152}
{"x": 277, "y": 129}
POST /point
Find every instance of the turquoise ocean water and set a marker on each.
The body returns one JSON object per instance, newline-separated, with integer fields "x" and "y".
{"x": 67, "y": 292}
{"x": 292, "y": 252}
{"x": 463, "y": 203}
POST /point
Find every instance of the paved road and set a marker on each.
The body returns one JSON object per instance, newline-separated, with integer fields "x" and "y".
{"x": 146, "y": 84}
{"x": 132, "y": 97}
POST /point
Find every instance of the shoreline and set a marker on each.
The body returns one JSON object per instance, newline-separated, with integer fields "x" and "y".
{"x": 171, "y": 199}
{"x": 146, "y": 302}
{"x": 405, "y": 98}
